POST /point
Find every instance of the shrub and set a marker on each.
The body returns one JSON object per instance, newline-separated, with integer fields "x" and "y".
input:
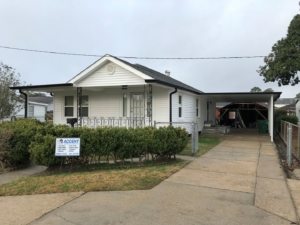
{"x": 5, "y": 149}
{"x": 23, "y": 140}
{"x": 282, "y": 116}
{"x": 17, "y": 137}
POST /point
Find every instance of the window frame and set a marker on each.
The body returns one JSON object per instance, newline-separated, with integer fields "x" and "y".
{"x": 179, "y": 106}
{"x": 125, "y": 105}
{"x": 197, "y": 107}
{"x": 84, "y": 106}
{"x": 69, "y": 106}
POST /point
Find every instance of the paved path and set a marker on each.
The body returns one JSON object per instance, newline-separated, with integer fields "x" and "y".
{"x": 238, "y": 182}
{"x": 15, "y": 175}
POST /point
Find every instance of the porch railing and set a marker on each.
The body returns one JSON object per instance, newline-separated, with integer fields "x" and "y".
{"x": 127, "y": 122}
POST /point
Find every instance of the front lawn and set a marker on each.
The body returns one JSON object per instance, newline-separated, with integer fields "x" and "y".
{"x": 100, "y": 177}
{"x": 206, "y": 142}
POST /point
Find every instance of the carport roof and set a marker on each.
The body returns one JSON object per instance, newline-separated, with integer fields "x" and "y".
{"x": 242, "y": 97}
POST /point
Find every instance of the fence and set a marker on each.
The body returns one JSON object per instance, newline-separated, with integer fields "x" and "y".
{"x": 290, "y": 135}
{"x": 191, "y": 127}
{"x": 132, "y": 122}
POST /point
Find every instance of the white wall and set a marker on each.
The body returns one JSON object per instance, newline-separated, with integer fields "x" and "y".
{"x": 108, "y": 102}
{"x": 105, "y": 102}
{"x": 203, "y": 112}
{"x": 160, "y": 104}
{"x": 188, "y": 106}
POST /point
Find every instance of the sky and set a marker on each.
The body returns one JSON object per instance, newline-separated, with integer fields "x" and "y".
{"x": 147, "y": 28}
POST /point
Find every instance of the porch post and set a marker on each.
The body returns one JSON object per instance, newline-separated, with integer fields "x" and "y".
{"x": 25, "y": 103}
{"x": 79, "y": 111}
{"x": 271, "y": 117}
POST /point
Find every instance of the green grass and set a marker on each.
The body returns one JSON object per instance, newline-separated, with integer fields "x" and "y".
{"x": 103, "y": 177}
{"x": 206, "y": 142}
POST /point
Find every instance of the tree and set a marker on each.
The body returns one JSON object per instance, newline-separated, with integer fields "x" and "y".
{"x": 282, "y": 65}
{"x": 269, "y": 90}
{"x": 255, "y": 89}
{"x": 9, "y": 99}
{"x": 298, "y": 96}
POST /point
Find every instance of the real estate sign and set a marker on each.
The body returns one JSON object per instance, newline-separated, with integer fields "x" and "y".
{"x": 67, "y": 147}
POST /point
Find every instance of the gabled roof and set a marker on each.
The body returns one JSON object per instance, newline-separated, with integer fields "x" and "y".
{"x": 160, "y": 77}
{"x": 149, "y": 75}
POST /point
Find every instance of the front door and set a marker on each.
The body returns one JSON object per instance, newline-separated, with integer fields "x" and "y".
{"x": 137, "y": 109}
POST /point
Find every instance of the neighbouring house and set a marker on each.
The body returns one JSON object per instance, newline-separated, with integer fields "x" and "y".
{"x": 36, "y": 110}
{"x": 298, "y": 110}
{"x": 282, "y": 102}
{"x": 48, "y": 100}
{"x": 114, "y": 92}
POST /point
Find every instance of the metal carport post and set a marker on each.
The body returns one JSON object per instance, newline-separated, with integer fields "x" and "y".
{"x": 271, "y": 117}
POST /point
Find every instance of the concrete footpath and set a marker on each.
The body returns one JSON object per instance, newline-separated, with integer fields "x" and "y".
{"x": 238, "y": 182}
{"x": 15, "y": 175}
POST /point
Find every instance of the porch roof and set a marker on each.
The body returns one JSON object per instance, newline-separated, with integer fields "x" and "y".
{"x": 242, "y": 97}
{"x": 43, "y": 87}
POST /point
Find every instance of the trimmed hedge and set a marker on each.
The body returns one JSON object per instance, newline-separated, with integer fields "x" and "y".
{"x": 15, "y": 138}
{"x": 23, "y": 140}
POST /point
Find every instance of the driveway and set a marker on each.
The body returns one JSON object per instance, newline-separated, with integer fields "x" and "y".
{"x": 238, "y": 182}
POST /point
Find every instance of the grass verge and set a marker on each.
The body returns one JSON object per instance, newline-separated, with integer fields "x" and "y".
{"x": 101, "y": 177}
{"x": 206, "y": 142}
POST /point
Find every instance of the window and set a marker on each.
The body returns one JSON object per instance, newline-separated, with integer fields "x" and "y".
{"x": 180, "y": 106}
{"x": 124, "y": 105}
{"x": 84, "y": 112}
{"x": 30, "y": 111}
{"x": 197, "y": 107}
{"x": 69, "y": 106}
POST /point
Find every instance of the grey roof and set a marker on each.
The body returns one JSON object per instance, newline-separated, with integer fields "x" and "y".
{"x": 41, "y": 99}
{"x": 160, "y": 77}
{"x": 286, "y": 101}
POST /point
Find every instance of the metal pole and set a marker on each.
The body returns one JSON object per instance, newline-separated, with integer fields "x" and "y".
{"x": 289, "y": 145}
{"x": 193, "y": 139}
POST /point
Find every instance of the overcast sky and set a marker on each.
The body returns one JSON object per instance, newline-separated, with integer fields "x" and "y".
{"x": 163, "y": 28}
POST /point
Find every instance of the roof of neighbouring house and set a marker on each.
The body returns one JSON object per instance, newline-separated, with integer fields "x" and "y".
{"x": 41, "y": 99}
{"x": 286, "y": 101}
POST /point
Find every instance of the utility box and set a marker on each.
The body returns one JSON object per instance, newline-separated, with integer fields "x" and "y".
{"x": 263, "y": 126}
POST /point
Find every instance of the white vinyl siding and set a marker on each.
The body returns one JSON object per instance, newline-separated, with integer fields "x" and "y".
{"x": 110, "y": 75}
{"x": 202, "y": 112}
{"x": 160, "y": 104}
{"x": 188, "y": 107}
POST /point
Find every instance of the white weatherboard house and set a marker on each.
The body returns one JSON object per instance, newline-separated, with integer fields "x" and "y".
{"x": 114, "y": 92}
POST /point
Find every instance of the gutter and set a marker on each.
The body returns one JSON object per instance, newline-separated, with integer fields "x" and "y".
{"x": 26, "y": 103}
{"x": 170, "y": 98}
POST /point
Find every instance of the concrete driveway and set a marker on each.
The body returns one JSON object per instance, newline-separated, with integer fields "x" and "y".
{"x": 238, "y": 182}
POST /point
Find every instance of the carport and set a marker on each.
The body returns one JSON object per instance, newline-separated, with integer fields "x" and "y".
{"x": 266, "y": 98}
